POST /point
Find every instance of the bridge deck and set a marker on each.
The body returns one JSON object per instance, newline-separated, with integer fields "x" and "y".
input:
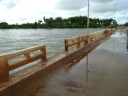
{"x": 104, "y": 75}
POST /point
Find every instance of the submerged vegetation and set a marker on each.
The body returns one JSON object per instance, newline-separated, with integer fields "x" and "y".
{"x": 71, "y": 22}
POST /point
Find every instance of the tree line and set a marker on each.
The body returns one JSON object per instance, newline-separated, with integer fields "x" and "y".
{"x": 59, "y": 22}
{"x": 126, "y": 24}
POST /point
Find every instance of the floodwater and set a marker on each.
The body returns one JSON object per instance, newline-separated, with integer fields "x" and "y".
{"x": 16, "y": 39}
{"x": 106, "y": 74}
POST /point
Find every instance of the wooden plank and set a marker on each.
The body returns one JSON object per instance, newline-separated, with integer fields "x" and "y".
{"x": 22, "y": 52}
{"x": 44, "y": 53}
{"x": 25, "y": 61}
{"x": 4, "y": 72}
{"x": 86, "y": 38}
{"x": 4, "y": 58}
{"x": 66, "y": 45}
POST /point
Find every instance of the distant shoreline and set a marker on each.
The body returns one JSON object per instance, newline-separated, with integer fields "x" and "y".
{"x": 71, "y": 22}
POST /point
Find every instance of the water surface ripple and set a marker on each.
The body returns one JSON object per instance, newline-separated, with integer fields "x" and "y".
{"x": 16, "y": 39}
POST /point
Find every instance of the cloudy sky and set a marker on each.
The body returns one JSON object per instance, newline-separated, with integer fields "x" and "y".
{"x": 22, "y": 11}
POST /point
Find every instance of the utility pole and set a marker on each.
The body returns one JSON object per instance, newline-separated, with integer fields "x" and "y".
{"x": 88, "y": 25}
{"x": 87, "y": 53}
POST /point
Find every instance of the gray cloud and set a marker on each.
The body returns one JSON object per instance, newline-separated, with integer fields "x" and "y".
{"x": 109, "y": 7}
{"x": 23, "y": 19}
{"x": 101, "y": 1}
{"x": 72, "y": 4}
{"x": 122, "y": 6}
{"x": 67, "y": 8}
{"x": 122, "y": 17}
{"x": 10, "y": 3}
{"x": 102, "y": 8}
{"x": 1, "y": 0}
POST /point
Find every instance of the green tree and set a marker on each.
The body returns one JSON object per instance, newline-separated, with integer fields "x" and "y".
{"x": 4, "y": 25}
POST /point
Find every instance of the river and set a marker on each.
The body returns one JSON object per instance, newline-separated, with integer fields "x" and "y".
{"x": 16, "y": 39}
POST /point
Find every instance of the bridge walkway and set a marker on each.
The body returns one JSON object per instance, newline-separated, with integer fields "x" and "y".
{"x": 104, "y": 75}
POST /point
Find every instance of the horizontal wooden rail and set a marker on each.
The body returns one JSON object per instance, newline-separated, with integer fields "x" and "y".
{"x": 30, "y": 79}
{"x": 85, "y": 39}
{"x": 5, "y": 66}
{"x": 39, "y": 52}
{"x": 73, "y": 41}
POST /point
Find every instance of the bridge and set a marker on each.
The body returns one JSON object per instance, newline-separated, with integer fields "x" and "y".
{"x": 29, "y": 80}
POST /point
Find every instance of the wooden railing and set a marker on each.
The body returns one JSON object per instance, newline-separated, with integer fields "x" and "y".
{"x": 28, "y": 55}
{"x": 83, "y": 40}
{"x": 30, "y": 79}
{"x": 11, "y": 61}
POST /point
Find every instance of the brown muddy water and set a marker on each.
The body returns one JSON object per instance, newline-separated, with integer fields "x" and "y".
{"x": 12, "y": 40}
{"x": 16, "y": 39}
{"x": 106, "y": 74}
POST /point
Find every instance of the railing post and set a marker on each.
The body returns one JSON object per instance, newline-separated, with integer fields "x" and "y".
{"x": 4, "y": 69}
{"x": 90, "y": 38}
{"x": 78, "y": 43}
{"x": 86, "y": 40}
{"x": 44, "y": 53}
{"x": 66, "y": 45}
{"x": 27, "y": 56}
{"x": 106, "y": 32}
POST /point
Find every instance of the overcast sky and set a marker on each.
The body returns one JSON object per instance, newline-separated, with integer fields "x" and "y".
{"x": 22, "y": 11}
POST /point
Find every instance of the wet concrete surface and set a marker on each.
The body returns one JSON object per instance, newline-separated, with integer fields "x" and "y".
{"x": 106, "y": 73}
